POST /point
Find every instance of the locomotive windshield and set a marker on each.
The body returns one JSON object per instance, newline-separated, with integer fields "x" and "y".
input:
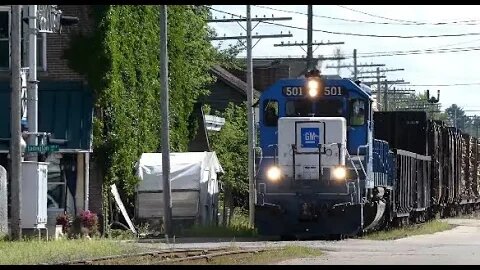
{"x": 298, "y": 107}
{"x": 329, "y": 108}
{"x": 321, "y": 108}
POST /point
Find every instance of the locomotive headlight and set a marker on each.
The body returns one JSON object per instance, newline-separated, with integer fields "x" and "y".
{"x": 339, "y": 173}
{"x": 274, "y": 173}
{"x": 313, "y": 87}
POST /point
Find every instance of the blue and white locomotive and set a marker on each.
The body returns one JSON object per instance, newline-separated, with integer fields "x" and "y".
{"x": 332, "y": 166}
{"x": 319, "y": 175}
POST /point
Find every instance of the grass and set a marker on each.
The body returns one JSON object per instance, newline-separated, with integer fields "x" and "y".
{"x": 239, "y": 227}
{"x": 418, "y": 229}
{"x": 266, "y": 257}
{"x": 37, "y": 252}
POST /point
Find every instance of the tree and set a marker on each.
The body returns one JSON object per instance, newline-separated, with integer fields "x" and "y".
{"x": 457, "y": 116}
{"x": 231, "y": 146}
{"x": 418, "y": 102}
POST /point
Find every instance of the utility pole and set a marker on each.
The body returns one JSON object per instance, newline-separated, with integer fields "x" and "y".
{"x": 251, "y": 124}
{"x": 310, "y": 43}
{"x": 455, "y": 117}
{"x": 309, "y": 38}
{"x": 379, "y": 96}
{"x": 386, "y": 95}
{"x": 476, "y": 125}
{"x": 167, "y": 200}
{"x": 32, "y": 92}
{"x": 381, "y": 70}
{"x": 394, "y": 98}
{"x": 355, "y": 68}
{"x": 396, "y": 82}
{"x": 15, "y": 116}
{"x": 250, "y": 112}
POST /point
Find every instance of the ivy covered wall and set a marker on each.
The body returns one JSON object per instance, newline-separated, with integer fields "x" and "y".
{"x": 121, "y": 61}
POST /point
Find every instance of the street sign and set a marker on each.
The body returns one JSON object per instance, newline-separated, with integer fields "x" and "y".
{"x": 42, "y": 148}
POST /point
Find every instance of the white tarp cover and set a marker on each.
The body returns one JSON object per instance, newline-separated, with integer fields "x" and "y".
{"x": 193, "y": 177}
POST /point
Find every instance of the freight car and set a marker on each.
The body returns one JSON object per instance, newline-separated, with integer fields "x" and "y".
{"x": 331, "y": 166}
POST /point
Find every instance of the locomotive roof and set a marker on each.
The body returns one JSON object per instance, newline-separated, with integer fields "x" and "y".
{"x": 361, "y": 89}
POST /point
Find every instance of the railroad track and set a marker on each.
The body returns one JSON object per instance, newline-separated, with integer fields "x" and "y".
{"x": 164, "y": 256}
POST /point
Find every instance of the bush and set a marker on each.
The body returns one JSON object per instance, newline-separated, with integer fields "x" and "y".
{"x": 85, "y": 224}
{"x": 65, "y": 220}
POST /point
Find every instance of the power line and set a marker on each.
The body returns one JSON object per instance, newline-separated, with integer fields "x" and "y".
{"x": 453, "y": 84}
{"x": 469, "y": 22}
{"x": 412, "y": 52}
{"x": 404, "y": 21}
{"x": 420, "y": 50}
{"x": 358, "y": 34}
{"x": 423, "y": 52}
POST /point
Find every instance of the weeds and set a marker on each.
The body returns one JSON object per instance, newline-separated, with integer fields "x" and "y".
{"x": 239, "y": 227}
{"x": 36, "y": 252}
{"x": 418, "y": 229}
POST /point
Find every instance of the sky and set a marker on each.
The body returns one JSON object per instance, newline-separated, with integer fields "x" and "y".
{"x": 406, "y": 20}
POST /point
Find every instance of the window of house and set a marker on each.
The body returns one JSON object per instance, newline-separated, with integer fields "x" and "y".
{"x": 5, "y": 20}
{"x": 357, "y": 112}
{"x": 270, "y": 112}
{"x": 4, "y": 38}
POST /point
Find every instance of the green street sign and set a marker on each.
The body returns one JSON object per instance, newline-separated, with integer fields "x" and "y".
{"x": 42, "y": 148}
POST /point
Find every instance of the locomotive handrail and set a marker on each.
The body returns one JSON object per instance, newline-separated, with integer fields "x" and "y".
{"x": 261, "y": 159}
{"x": 413, "y": 155}
{"x": 358, "y": 153}
{"x": 358, "y": 176}
{"x": 275, "y": 155}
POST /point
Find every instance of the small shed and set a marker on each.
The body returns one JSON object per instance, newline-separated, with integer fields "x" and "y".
{"x": 194, "y": 186}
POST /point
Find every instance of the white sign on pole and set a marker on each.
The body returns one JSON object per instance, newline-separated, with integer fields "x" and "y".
{"x": 24, "y": 72}
{"x": 48, "y": 18}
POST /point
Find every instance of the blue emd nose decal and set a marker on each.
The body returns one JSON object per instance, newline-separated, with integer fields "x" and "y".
{"x": 310, "y": 137}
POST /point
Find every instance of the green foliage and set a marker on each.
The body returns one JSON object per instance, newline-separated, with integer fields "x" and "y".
{"x": 457, "y": 116}
{"x": 467, "y": 123}
{"x": 417, "y": 102}
{"x": 121, "y": 62}
{"x": 231, "y": 146}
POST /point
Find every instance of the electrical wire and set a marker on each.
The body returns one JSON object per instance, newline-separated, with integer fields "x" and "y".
{"x": 422, "y": 52}
{"x": 357, "y": 34}
{"x": 377, "y": 16}
{"x": 468, "y": 22}
{"x": 445, "y": 85}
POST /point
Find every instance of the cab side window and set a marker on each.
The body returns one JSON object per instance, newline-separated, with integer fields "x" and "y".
{"x": 357, "y": 112}
{"x": 270, "y": 112}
